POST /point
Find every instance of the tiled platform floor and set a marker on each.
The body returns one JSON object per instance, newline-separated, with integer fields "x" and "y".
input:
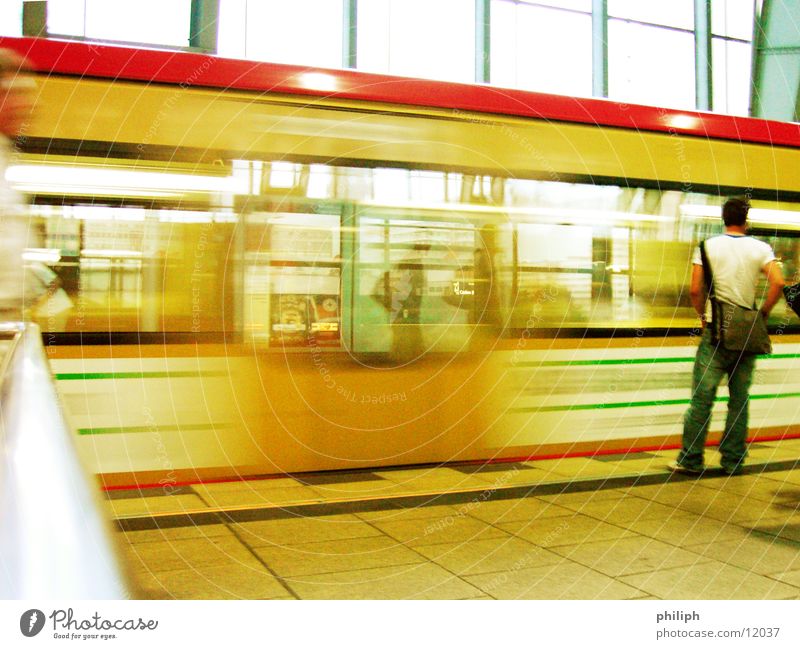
{"x": 505, "y": 531}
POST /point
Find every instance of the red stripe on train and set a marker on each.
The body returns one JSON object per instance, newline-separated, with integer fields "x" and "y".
{"x": 192, "y": 69}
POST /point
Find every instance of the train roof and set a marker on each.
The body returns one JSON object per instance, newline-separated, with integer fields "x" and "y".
{"x": 78, "y": 58}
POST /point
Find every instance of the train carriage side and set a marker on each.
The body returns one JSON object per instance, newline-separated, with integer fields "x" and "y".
{"x": 368, "y": 282}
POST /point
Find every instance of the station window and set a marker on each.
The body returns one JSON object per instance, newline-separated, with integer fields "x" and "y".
{"x": 731, "y": 69}
{"x": 678, "y": 13}
{"x": 732, "y": 51}
{"x": 539, "y": 48}
{"x": 417, "y": 38}
{"x": 281, "y": 32}
{"x": 11, "y": 18}
{"x": 650, "y": 65}
{"x": 574, "y": 5}
{"x": 733, "y": 18}
{"x": 122, "y": 20}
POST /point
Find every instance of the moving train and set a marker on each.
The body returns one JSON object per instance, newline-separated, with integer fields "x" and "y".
{"x": 271, "y": 269}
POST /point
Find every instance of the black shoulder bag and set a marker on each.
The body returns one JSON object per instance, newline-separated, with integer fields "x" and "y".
{"x": 734, "y": 327}
{"x": 792, "y": 295}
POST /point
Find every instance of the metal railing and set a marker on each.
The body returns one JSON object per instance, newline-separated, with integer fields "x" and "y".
{"x": 55, "y": 540}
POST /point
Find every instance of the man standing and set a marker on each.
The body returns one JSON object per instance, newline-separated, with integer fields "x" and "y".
{"x": 737, "y": 261}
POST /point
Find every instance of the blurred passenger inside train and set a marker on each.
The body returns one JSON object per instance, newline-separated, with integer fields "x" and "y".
{"x": 478, "y": 290}
{"x": 16, "y": 98}
{"x": 401, "y": 293}
{"x": 736, "y": 263}
{"x": 488, "y": 310}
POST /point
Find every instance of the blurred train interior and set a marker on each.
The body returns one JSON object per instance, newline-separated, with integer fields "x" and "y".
{"x": 246, "y": 282}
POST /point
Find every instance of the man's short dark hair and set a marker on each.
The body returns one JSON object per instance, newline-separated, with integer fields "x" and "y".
{"x": 734, "y": 212}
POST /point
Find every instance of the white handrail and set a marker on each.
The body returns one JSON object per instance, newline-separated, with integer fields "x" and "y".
{"x": 55, "y": 541}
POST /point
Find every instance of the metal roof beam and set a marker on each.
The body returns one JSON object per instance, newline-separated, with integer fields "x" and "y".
{"x": 776, "y": 61}
{"x": 204, "y": 25}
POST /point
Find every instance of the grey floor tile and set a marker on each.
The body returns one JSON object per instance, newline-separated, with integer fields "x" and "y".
{"x": 712, "y": 580}
{"x": 784, "y": 527}
{"x": 363, "y": 489}
{"x": 447, "y": 529}
{"x": 247, "y": 485}
{"x": 337, "y": 556}
{"x": 215, "y": 582}
{"x": 421, "y": 581}
{"x": 760, "y": 554}
{"x": 592, "y": 495}
{"x": 410, "y": 513}
{"x": 524, "y": 476}
{"x": 423, "y": 480}
{"x": 566, "y": 580}
{"x": 571, "y": 468}
{"x": 732, "y": 508}
{"x": 674, "y": 494}
{"x": 755, "y": 487}
{"x": 489, "y": 555}
{"x": 159, "y": 556}
{"x": 154, "y": 505}
{"x": 295, "y": 530}
{"x": 628, "y": 555}
{"x": 772, "y": 454}
{"x": 261, "y": 498}
{"x": 515, "y": 509}
{"x": 564, "y": 530}
{"x": 791, "y": 577}
{"x": 790, "y": 477}
{"x": 790, "y": 442}
{"x": 624, "y": 510}
{"x": 654, "y": 464}
{"x": 175, "y": 533}
{"x": 687, "y": 529}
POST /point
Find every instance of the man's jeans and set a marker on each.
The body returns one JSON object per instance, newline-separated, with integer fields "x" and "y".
{"x": 710, "y": 365}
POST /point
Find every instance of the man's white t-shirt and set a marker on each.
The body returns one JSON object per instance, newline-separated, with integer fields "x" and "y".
{"x": 736, "y": 263}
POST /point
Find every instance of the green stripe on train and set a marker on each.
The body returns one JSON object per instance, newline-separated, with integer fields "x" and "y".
{"x": 150, "y": 429}
{"x": 640, "y": 404}
{"x": 630, "y": 361}
{"x": 89, "y": 376}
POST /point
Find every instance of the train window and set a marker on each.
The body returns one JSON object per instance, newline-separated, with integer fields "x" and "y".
{"x": 134, "y": 268}
{"x": 414, "y": 283}
{"x": 382, "y": 261}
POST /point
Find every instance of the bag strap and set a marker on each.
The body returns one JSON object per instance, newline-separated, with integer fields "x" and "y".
{"x": 708, "y": 277}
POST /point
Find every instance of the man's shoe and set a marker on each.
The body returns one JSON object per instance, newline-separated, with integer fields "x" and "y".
{"x": 732, "y": 470}
{"x": 677, "y": 467}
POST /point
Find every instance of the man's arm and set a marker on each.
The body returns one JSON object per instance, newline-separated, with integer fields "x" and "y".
{"x": 775, "y": 289}
{"x": 697, "y": 291}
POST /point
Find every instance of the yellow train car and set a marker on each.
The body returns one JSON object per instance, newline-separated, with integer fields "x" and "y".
{"x": 273, "y": 269}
